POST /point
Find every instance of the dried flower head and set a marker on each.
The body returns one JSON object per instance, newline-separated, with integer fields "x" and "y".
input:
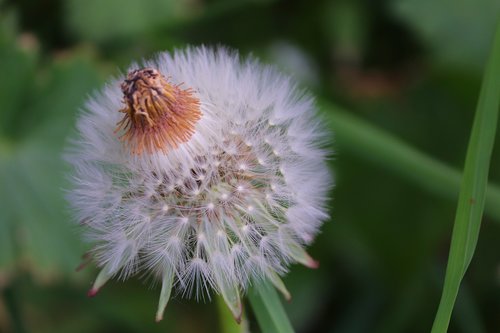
{"x": 158, "y": 115}
{"x": 212, "y": 187}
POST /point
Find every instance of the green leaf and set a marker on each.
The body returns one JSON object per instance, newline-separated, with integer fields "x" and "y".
{"x": 268, "y": 309}
{"x": 473, "y": 189}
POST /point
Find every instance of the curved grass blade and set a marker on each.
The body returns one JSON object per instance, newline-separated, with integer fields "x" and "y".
{"x": 473, "y": 189}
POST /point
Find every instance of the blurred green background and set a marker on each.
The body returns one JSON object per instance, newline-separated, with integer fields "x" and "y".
{"x": 409, "y": 67}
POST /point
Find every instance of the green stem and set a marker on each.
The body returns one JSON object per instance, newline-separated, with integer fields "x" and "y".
{"x": 379, "y": 147}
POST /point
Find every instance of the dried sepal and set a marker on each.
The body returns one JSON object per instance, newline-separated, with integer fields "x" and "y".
{"x": 166, "y": 289}
{"x": 158, "y": 115}
{"x": 100, "y": 281}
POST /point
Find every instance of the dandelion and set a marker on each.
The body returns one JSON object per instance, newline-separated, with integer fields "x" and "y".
{"x": 202, "y": 170}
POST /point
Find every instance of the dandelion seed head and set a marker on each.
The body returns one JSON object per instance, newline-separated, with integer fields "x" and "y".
{"x": 192, "y": 168}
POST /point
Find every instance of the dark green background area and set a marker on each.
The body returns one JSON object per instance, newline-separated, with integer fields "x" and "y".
{"x": 409, "y": 67}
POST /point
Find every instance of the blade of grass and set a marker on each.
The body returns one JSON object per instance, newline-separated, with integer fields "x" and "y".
{"x": 369, "y": 142}
{"x": 268, "y": 309}
{"x": 473, "y": 189}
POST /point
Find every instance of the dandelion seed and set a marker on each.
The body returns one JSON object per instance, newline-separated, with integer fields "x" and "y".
{"x": 179, "y": 173}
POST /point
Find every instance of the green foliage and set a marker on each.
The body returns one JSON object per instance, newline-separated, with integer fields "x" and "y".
{"x": 37, "y": 115}
{"x": 398, "y": 82}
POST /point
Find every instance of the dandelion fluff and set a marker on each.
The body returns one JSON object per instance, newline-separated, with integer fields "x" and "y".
{"x": 201, "y": 169}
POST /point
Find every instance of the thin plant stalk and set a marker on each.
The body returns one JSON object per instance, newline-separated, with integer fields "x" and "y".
{"x": 379, "y": 147}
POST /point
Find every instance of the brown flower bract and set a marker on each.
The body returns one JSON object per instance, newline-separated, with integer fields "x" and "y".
{"x": 158, "y": 114}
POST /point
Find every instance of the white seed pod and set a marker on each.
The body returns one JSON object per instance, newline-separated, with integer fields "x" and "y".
{"x": 202, "y": 170}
